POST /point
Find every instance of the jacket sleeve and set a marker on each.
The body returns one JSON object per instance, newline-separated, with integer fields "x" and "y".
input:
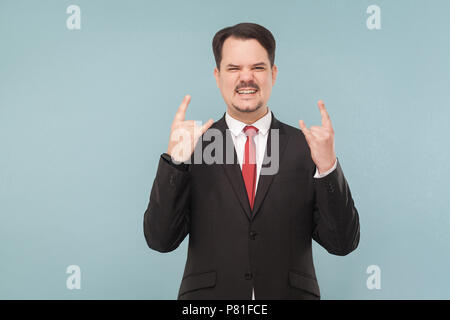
{"x": 336, "y": 220}
{"x": 166, "y": 220}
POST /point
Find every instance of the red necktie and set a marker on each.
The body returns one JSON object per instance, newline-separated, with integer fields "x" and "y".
{"x": 249, "y": 165}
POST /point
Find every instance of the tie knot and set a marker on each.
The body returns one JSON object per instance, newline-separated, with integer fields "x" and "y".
{"x": 250, "y": 131}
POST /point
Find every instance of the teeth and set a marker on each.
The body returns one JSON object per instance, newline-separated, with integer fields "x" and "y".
{"x": 246, "y": 91}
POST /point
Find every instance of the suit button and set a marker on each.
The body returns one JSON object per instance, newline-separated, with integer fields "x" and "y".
{"x": 172, "y": 180}
{"x": 253, "y": 235}
{"x": 248, "y": 276}
{"x": 330, "y": 187}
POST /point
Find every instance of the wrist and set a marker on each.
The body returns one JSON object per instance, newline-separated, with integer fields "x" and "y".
{"x": 323, "y": 169}
{"x": 173, "y": 162}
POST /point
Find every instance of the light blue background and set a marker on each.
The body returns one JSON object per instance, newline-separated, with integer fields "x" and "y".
{"x": 85, "y": 115}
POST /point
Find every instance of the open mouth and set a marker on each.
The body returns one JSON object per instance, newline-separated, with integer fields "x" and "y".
{"x": 247, "y": 91}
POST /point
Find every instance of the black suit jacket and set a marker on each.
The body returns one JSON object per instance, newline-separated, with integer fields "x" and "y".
{"x": 232, "y": 248}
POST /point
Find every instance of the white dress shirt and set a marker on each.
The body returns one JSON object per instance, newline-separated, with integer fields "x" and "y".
{"x": 239, "y": 138}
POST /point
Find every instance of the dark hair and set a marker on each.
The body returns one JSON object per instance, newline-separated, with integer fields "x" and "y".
{"x": 244, "y": 31}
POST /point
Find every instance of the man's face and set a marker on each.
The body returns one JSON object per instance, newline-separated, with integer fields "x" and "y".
{"x": 245, "y": 78}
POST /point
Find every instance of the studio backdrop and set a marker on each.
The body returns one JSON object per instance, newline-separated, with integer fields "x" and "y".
{"x": 88, "y": 91}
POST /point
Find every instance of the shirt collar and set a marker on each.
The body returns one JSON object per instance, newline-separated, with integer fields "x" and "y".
{"x": 262, "y": 124}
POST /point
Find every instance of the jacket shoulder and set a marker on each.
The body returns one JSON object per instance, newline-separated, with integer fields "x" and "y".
{"x": 292, "y": 132}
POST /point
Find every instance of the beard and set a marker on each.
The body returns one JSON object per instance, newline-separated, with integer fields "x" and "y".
{"x": 248, "y": 110}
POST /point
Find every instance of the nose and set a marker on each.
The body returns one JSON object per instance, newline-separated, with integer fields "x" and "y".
{"x": 246, "y": 75}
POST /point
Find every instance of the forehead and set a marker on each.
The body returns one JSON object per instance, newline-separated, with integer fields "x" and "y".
{"x": 243, "y": 52}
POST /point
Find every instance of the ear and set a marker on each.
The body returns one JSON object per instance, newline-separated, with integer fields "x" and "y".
{"x": 216, "y": 75}
{"x": 274, "y": 74}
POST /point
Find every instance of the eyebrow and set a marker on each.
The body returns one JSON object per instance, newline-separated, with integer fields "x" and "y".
{"x": 254, "y": 65}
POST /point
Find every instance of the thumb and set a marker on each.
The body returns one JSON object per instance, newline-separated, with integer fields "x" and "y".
{"x": 305, "y": 130}
{"x": 206, "y": 126}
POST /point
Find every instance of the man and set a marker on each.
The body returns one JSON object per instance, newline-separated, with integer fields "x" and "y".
{"x": 250, "y": 233}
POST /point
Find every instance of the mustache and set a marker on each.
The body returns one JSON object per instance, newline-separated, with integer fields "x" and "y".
{"x": 249, "y": 84}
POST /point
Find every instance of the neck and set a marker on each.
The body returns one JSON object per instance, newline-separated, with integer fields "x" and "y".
{"x": 248, "y": 117}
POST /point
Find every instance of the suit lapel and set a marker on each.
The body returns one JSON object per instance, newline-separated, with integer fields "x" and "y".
{"x": 233, "y": 170}
{"x": 266, "y": 180}
{"x": 234, "y": 173}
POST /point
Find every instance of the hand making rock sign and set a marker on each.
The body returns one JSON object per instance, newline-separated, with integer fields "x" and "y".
{"x": 320, "y": 140}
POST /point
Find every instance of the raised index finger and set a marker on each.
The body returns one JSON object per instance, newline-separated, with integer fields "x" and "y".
{"x": 181, "y": 112}
{"x": 326, "y": 121}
